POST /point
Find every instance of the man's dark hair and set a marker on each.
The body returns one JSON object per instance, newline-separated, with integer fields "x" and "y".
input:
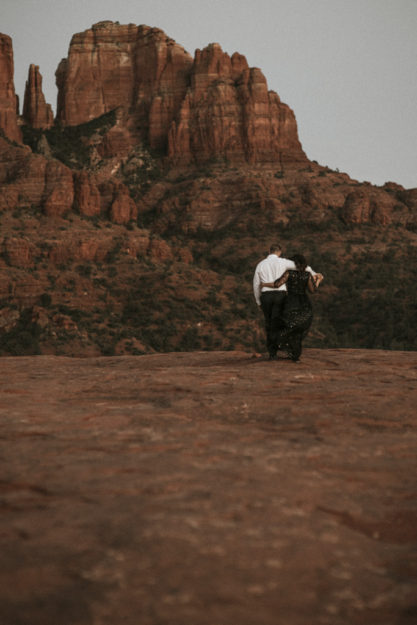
{"x": 275, "y": 248}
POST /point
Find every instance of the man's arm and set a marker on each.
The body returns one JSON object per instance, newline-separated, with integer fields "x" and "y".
{"x": 257, "y": 287}
{"x": 289, "y": 264}
{"x": 314, "y": 274}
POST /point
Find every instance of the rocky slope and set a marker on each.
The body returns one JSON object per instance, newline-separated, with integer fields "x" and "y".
{"x": 192, "y": 489}
{"x": 133, "y": 223}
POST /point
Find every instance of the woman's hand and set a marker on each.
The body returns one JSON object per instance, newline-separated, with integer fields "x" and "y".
{"x": 317, "y": 279}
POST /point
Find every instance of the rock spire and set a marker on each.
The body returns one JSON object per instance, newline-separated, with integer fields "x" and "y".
{"x": 36, "y": 112}
{"x": 8, "y": 99}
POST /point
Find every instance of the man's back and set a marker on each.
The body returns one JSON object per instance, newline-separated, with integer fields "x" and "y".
{"x": 268, "y": 270}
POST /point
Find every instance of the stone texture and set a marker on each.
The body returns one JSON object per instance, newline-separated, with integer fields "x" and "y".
{"x": 363, "y": 206}
{"x": 82, "y": 248}
{"x": 409, "y": 197}
{"x": 229, "y": 113}
{"x": 58, "y": 190}
{"x": 36, "y": 112}
{"x": 18, "y": 251}
{"x": 201, "y": 488}
{"x": 162, "y": 68}
{"x": 28, "y": 179}
{"x": 212, "y": 107}
{"x": 134, "y": 67}
{"x": 123, "y": 208}
{"x": 87, "y": 197}
{"x": 98, "y": 74}
{"x": 8, "y": 98}
{"x": 159, "y": 250}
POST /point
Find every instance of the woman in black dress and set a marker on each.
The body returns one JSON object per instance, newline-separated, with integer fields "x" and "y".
{"x": 297, "y": 311}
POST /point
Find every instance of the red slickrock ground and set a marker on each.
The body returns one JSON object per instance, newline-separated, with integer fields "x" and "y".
{"x": 209, "y": 488}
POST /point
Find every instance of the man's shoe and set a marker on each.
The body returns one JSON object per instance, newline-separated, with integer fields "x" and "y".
{"x": 273, "y": 357}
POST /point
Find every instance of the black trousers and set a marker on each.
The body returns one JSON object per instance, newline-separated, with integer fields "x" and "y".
{"x": 272, "y": 303}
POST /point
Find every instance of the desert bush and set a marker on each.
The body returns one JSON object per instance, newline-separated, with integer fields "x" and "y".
{"x": 23, "y": 339}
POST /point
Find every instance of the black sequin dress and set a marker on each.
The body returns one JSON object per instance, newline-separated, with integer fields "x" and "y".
{"x": 297, "y": 313}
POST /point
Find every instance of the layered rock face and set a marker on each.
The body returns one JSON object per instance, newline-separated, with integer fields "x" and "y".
{"x": 363, "y": 207}
{"x": 229, "y": 112}
{"x": 31, "y": 180}
{"x": 8, "y": 98}
{"x": 212, "y": 107}
{"x": 36, "y": 112}
{"x": 134, "y": 67}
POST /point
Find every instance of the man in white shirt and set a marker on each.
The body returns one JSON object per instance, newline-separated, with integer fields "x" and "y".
{"x": 272, "y": 300}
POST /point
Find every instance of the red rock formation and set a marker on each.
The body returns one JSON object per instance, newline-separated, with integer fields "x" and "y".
{"x": 409, "y": 197}
{"x": 123, "y": 208}
{"x": 159, "y": 250}
{"x": 8, "y": 99}
{"x": 87, "y": 196}
{"x": 137, "y": 244}
{"x": 18, "y": 251}
{"x": 59, "y": 189}
{"x": 134, "y": 67}
{"x": 98, "y": 74}
{"x": 364, "y": 207}
{"x": 28, "y": 179}
{"x": 229, "y": 113}
{"x": 162, "y": 70}
{"x": 214, "y": 107}
{"x": 85, "y": 248}
{"x": 36, "y": 112}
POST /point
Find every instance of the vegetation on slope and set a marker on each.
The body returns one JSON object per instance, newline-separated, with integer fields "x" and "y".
{"x": 139, "y": 304}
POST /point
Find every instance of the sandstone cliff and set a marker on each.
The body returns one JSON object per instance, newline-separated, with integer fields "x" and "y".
{"x": 229, "y": 113}
{"x": 212, "y": 107}
{"x": 134, "y": 67}
{"x": 8, "y": 99}
{"x": 45, "y": 184}
{"x": 31, "y": 180}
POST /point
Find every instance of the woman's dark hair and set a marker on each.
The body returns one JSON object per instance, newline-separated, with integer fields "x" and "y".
{"x": 300, "y": 261}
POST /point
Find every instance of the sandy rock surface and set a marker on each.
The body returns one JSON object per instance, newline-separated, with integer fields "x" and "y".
{"x": 209, "y": 489}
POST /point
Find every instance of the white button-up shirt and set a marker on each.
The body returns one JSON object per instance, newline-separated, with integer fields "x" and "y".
{"x": 270, "y": 269}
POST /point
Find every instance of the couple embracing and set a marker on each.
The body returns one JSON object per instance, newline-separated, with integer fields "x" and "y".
{"x": 280, "y": 286}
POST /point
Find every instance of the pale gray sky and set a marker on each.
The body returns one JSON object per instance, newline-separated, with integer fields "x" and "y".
{"x": 346, "y": 67}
